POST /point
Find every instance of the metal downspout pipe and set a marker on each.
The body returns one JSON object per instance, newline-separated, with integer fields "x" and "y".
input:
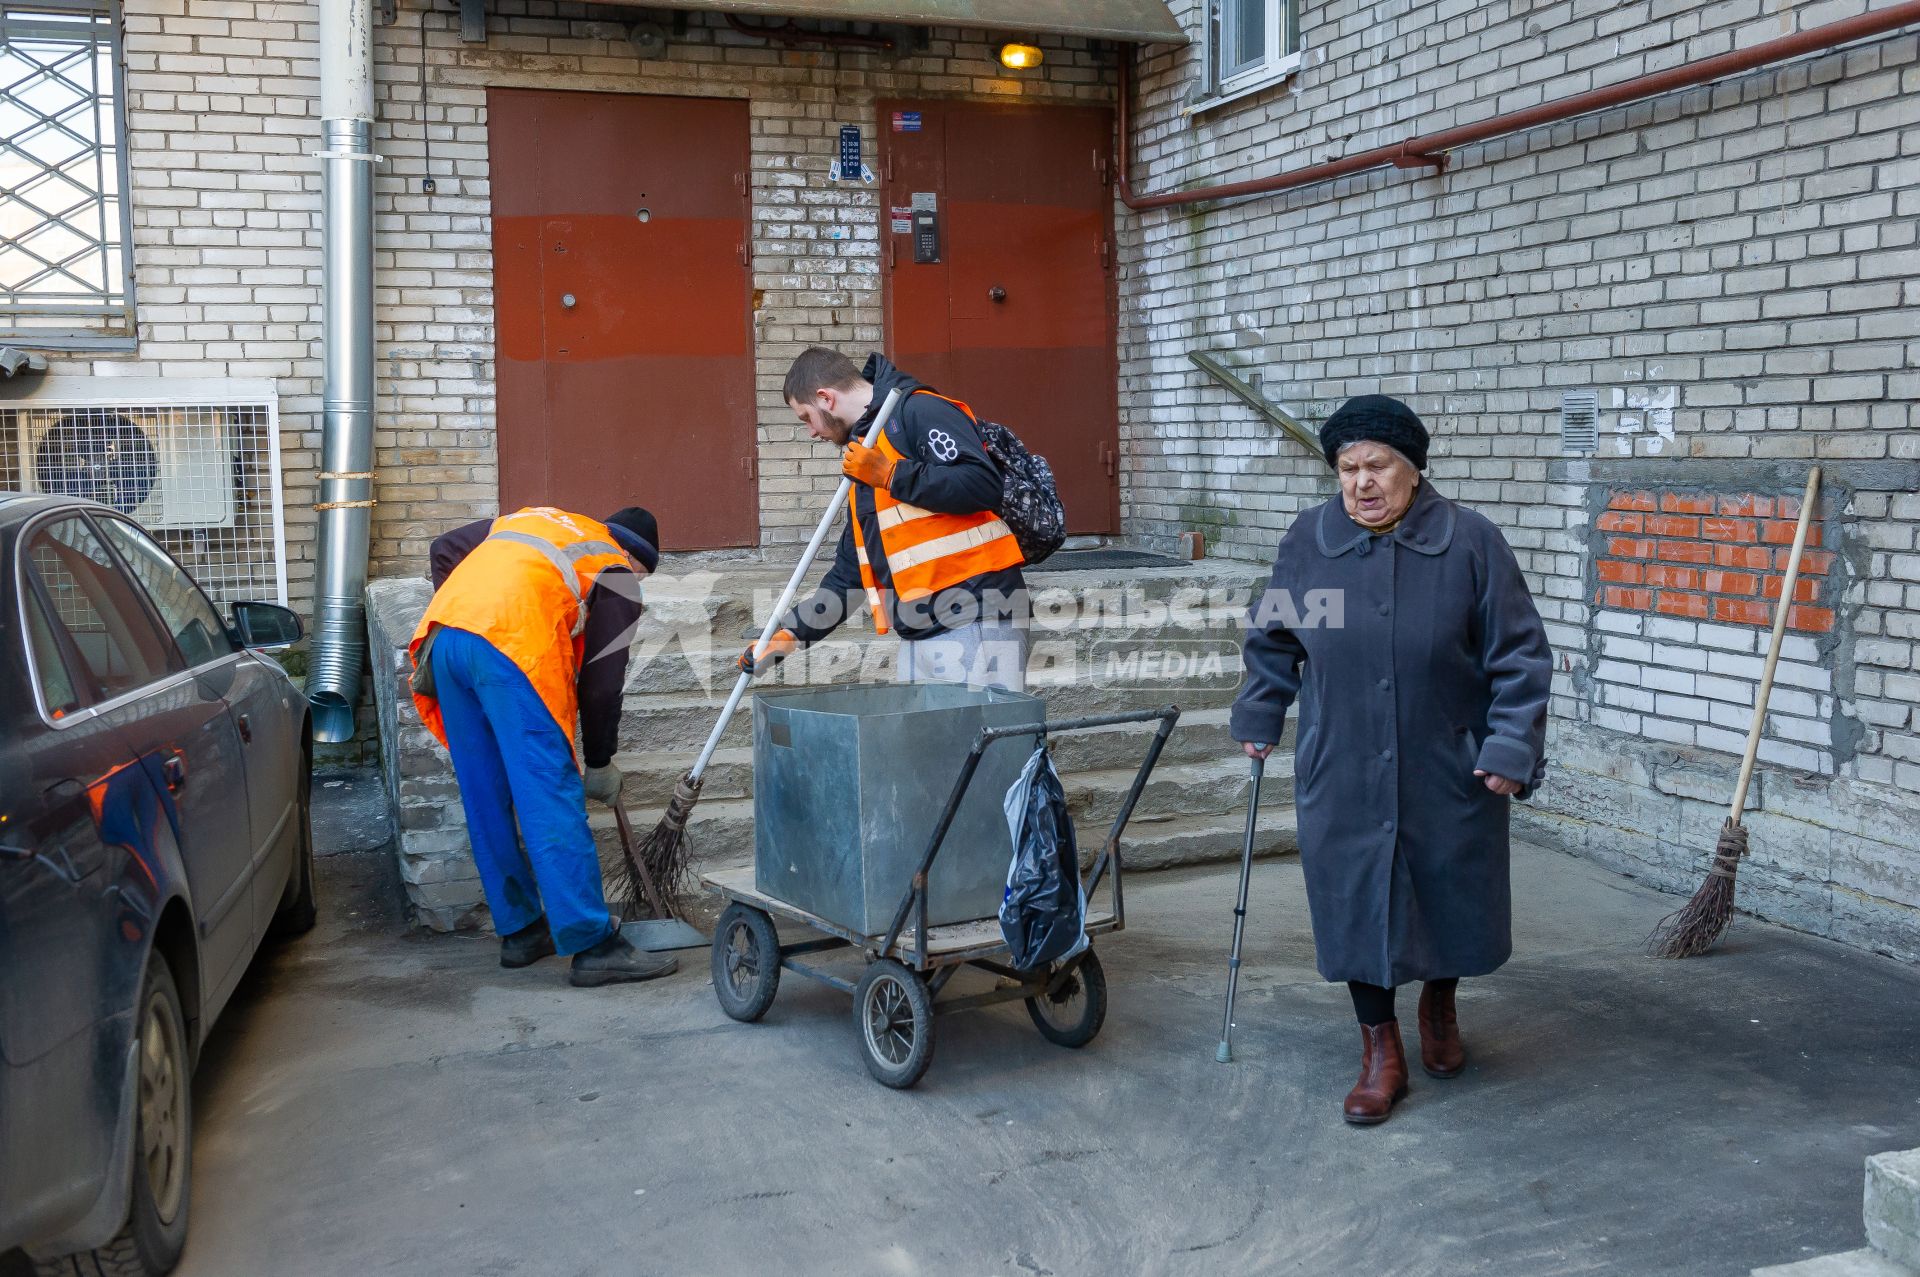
{"x": 345, "y": 503}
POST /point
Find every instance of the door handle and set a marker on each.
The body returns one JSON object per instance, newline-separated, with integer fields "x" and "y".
{"x": 996, "y": 294}
{"x": 174, "y": 768}
{"x": 568, "y": 300}
{"x": 246, "y": 729}
{"x": 64, "y": 790}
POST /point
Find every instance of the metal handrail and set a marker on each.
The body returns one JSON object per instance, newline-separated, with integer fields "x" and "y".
{"x": 1255, "y": 400}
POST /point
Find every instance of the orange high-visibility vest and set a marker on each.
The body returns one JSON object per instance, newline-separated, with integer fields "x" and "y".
{"x": 928, "y": 552}
{"x": 524, "y": 590}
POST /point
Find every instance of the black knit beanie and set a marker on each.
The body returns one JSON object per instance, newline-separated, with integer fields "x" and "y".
{"x": 1381, "y": 419}
{"x": 638, "y": 534}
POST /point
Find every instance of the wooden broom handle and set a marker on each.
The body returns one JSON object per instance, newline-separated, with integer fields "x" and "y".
{"x": 1773, "y": 648}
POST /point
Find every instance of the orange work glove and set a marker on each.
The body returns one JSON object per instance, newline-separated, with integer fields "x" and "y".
{"x": 778, "y": 646}
{"x": 866, "y": 465}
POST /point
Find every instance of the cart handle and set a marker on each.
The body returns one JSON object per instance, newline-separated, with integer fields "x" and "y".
{"x": 916, "y": 898}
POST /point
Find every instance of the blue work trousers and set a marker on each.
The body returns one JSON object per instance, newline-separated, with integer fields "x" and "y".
{"x": 515, "y": 766}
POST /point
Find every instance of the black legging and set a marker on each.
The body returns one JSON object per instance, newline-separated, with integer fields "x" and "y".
{"x": 1373, "y": 1004}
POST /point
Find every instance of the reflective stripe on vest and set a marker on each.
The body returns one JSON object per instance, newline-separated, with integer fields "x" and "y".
{"x": 564, "y": 559}
{"x": 927, "y": 551}
{"x": 530, "y": 607}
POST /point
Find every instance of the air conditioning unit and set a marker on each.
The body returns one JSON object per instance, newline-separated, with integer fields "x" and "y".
{"x": 167, "y": 468}
{"x": 196, "y": 462}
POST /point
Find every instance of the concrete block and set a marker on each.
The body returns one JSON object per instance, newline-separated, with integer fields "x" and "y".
{"x": 1892, "y": 1208}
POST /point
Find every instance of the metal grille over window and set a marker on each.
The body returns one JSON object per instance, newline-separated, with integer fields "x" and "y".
{"x": 1579, "y": 421}
{"x": 203, "y": 477}
{"x": 64, "y": 224}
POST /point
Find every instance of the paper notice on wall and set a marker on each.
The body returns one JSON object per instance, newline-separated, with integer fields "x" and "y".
{"x": 1643, "y": 419}
{"x": 900, "y": 219}
{"x": 925, "y": 202}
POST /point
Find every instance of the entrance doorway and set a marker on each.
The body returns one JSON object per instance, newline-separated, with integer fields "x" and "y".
{"x": 1007, "y": 301}
{"x": 623, "y": 299}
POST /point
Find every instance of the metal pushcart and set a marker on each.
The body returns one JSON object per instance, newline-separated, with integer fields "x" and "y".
{"x": 894, "y": 999}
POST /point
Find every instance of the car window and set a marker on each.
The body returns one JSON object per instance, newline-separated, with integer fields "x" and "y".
{"x": 195, "y": 626}
{"x": 57, "y": 689}
{"x": 98, "y": 608}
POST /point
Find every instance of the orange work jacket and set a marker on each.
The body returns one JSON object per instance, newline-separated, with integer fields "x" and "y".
{"x": 524, "y": 590}
{"x": 927, "y": 552}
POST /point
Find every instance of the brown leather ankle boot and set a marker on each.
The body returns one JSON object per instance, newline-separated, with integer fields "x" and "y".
{"x": 1383, "y": 1075}
{"x": 1441, "y": 1053}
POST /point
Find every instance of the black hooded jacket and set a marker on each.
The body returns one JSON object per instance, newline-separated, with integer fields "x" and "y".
{"x": 955, "y": 477}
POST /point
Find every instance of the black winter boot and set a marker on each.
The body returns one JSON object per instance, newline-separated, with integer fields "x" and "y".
{"x": 615, "y": 961}
{"x": 528, "y": 945}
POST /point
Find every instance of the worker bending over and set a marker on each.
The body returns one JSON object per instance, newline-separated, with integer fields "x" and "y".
{"x": 923, "y": 540}
{"x": 529, "y": 628}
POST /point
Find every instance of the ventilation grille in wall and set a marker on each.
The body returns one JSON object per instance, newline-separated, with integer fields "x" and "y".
{"x": 1580, "y": 421}
{"x": 196, "y": 464}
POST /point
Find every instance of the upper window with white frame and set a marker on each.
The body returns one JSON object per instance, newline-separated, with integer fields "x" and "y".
{"x": 65, "y": 229}
{"x": 1250, "y": 44}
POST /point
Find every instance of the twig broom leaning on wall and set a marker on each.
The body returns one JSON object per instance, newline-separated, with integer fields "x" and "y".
{"x": 1695, "y": 928}
{"x": 664, "y": 854}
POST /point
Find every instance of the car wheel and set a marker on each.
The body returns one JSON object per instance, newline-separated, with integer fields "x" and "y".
{"x": 156, "y": 1229}
{"x": 301, "y": 906}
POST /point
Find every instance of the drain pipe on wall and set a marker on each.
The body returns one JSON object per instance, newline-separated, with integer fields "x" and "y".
{"x": 1432, "y": 150}
{"x": 345, "y": 503}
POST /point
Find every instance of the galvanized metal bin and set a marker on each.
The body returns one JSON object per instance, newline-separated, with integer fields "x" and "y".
{"x": 850, "y": 781}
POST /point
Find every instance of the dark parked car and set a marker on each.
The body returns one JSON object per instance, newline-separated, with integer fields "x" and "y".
{"x": 154, "y": 783}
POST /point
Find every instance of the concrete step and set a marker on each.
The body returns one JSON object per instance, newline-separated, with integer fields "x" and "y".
{"x": 681, "y": 721}
{"x": 665, "y": 660}
{"x": 720, "y": 834}
{"x": 1865, "y": 1262}
{"x": 1206, "y": 787}
{"x": 1892, "y": 1209}
{"x": 1200, "y": 738}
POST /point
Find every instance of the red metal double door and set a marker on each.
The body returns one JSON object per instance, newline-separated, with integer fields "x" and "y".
{"x": 623, "y": 293}
{"x": 1016, "y": 314}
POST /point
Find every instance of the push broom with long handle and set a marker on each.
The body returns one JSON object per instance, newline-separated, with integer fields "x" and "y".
{"x": 664, "y": 854}
{"x": 1694, "y": 928}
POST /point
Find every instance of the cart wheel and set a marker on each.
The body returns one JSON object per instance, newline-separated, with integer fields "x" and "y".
{"x": 1073, "y": 1015}
{"x": 893, "y": 1014}
{"x": 746, "y": 962}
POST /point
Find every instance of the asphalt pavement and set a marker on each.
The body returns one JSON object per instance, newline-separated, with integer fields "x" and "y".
{"x": 382, "y": 1100}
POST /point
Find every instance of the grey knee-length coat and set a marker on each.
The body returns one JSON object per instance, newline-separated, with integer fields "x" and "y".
{"x": 1415, "y": 658}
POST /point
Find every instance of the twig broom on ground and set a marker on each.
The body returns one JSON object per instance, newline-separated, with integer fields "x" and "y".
{"x": 665, "y": 854}
{"x": 1695, "y": 928}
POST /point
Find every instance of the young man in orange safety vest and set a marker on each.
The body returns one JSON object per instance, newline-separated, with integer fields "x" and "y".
{"x": 529, "y": 629}
{"x": 923, "y": 541}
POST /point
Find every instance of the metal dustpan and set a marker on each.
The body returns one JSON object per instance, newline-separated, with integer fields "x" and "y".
{"x": 662, "y": 935}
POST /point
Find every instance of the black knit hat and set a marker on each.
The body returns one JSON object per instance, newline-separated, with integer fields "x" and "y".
{"x": 638, "y": 535}
{"x": 1381, "y": 419}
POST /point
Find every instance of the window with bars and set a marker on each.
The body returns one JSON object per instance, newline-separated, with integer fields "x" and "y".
{"x": 1250, "y": 44}
{"x": 65, "y": 227}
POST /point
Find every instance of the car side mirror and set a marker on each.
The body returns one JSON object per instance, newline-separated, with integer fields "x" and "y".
{"x": 266, "y": 626}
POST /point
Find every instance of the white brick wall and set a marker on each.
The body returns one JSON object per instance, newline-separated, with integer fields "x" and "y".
{"x": 223, "y": 122}
{"x": 1751, "y": 244}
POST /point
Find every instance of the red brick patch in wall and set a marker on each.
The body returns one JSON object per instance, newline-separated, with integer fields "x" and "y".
{"x": 1710, "y": 557}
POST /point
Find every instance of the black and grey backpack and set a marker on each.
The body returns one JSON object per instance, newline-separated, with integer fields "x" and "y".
{"x": 1029, "y": 501}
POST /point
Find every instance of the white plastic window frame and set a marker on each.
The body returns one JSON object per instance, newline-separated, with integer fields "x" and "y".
{"x": 1280, "y": 59}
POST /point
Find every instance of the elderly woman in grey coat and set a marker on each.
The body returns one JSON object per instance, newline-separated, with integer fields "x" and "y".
{"x": 1400, "y": 623}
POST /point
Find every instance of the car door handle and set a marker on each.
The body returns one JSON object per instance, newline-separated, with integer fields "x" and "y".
{"x": 64, "y": 790}
{"x": 174, "y": 768}
{"x": 246, "y": 729}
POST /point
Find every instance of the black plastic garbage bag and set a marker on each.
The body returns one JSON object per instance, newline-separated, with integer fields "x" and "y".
{"x": 1043, "y": 915}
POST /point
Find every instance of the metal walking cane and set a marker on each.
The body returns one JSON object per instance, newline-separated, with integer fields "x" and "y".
{"x": 1225, "y": 1054}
